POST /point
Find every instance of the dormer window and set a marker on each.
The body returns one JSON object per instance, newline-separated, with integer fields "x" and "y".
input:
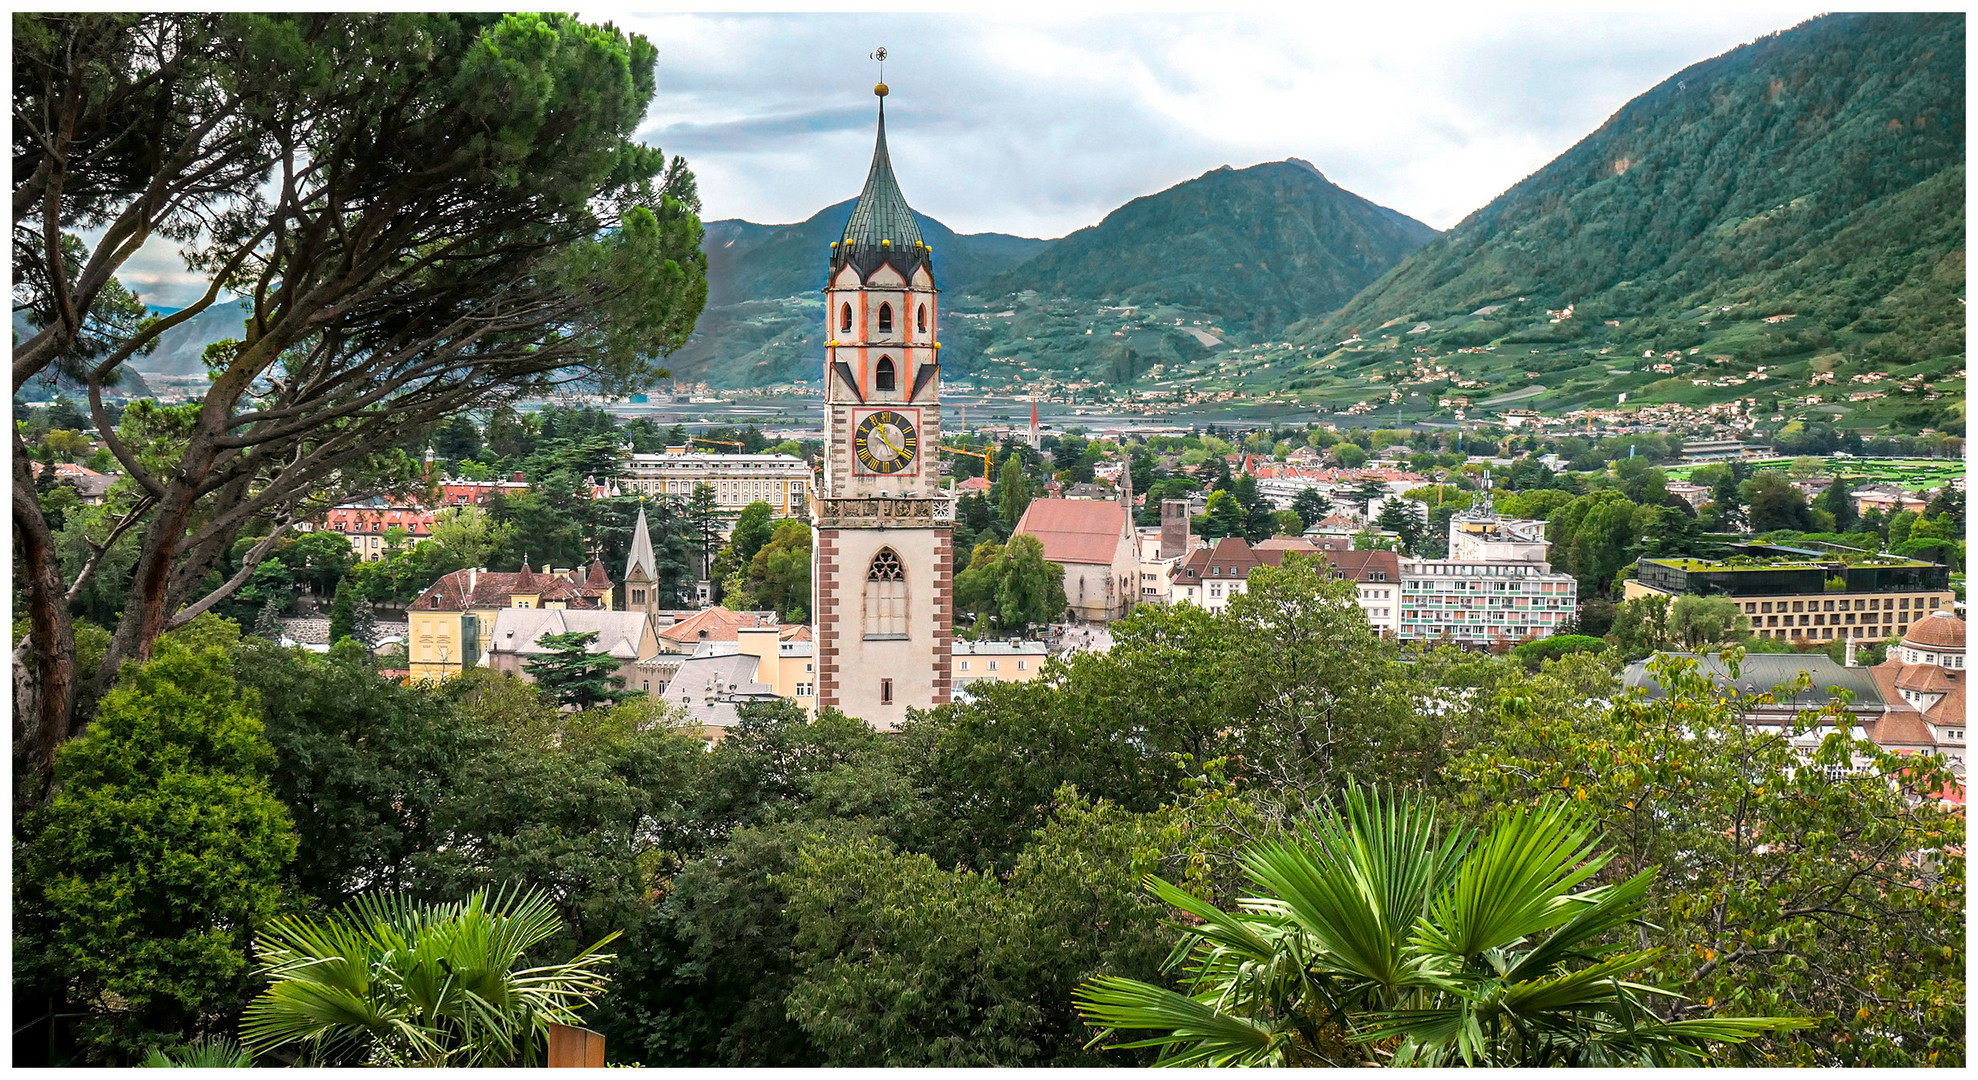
{"x": 845, "y": 319}
{"x": 885, "y": 318}
{"x": 883, "y": 377}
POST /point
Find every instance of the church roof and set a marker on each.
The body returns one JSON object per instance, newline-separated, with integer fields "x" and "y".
{"x": 642, "y": 557}
{"x": 882, "y": 228}
{"x": 1084, "y": 531}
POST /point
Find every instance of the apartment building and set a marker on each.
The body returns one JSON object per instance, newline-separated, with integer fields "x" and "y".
{"x": 1484, "y": 603}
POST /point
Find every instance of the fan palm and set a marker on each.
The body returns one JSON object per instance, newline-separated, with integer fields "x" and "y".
{"x": 216, "y": 1053}
{"x": 1376, "y": 938}
{"x": 392, "y": 982}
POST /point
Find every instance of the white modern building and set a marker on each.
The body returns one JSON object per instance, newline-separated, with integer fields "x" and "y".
{"x": 1495, "y": 588}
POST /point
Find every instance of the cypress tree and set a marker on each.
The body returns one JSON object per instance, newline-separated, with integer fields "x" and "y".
{"x": 343, "y": 611}
{"x": 363, "y": 624}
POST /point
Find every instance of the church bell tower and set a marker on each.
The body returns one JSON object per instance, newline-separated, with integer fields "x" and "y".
{"x": 882, "y": 577}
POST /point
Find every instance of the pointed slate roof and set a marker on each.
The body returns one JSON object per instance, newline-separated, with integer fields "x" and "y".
{"x": 642, "y": 558}
{"x": 882, "y": 228}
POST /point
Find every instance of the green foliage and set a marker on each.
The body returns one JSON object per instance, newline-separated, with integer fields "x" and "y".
{"x": 1696, "y": 621}
{"x": 902, "y": 963}
{"x": 388, "y": 981}
{"x": 1013, "y": 490}
{"x": 1774, "y": 893}
{"x": 215, "y": 1053}
{"x": 1771, "y": 502}
{"x": 360, "y": 760}
{"x": 572, "y": 675}
{"x": 1536, "y": 653}
{"x": 343, "y": 610}
{"x": 1373, "y": 928}
{"x": 141, "y": 881}
{"x": 778, "y": 574}
{"x": 319, "y": 559}
{"x": 1008, "y": 588}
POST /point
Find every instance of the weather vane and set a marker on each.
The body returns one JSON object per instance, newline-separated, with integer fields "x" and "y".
{"x": 879, "y": 54}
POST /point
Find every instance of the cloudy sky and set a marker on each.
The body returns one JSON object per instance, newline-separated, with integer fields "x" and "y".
{"x": 1039, "y": 126}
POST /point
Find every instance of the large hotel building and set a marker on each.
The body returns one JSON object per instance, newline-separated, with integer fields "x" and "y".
{"x": 780, "y": 480}
{"x": 1797, "y": 593}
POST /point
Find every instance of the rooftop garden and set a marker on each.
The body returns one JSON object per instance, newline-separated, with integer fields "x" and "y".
{"x": 1758, "y": 562}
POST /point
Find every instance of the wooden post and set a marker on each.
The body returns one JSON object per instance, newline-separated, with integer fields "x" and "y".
{"x": 575, "y": 1048}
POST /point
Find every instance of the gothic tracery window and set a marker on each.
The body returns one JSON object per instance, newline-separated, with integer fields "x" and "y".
{"x": 883, "y": 377}
{"x": 886, "y": 596}
{"x": 885, "y": 318}
{"x": 923, "y": 318}
{"x": 845, "y": 319}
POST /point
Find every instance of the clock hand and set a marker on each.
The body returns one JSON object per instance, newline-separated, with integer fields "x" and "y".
{"x": 884, "y": 441}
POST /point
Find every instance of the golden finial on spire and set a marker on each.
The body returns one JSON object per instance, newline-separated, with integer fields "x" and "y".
{"x": 879, "y": 54}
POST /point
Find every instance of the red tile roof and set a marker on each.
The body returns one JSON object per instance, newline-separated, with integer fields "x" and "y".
{"x": 1937, "y": 630}
{"x": 713, "y": 624}
{"x": 498, "y": 590}
{"x": 1360, "y": 565}
{"x": 1086, "y": 531}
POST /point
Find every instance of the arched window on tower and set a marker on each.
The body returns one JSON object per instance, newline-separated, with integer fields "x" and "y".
{"x": 923, "y": 318}
{"x": 845, "y": 320}
{"x": 883, "y": 377}
{"x": 886, "y": 596}
{"x": 885, "y": 318}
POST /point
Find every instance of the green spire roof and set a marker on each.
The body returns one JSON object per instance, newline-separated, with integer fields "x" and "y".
{"x": 882, "y": 228}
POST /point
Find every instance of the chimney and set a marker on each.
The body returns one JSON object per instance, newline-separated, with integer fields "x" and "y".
{"x": 473, "y": 576}
{"x": 1849, "y": 660}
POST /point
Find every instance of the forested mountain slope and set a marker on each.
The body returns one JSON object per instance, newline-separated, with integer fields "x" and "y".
{"x": 764, "y": 317}
{"x": 1816, "y": 172}
{"x": 1258, "y": 247}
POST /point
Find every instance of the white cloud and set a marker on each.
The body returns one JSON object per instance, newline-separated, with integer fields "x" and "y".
{"x": 1040, "y": 126}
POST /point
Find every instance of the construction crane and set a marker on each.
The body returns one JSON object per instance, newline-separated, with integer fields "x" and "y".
{"x": 988, "y": 462}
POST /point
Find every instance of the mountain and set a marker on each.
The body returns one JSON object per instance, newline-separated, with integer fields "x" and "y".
{"x": 764, "y": 321}
{"x": 181, "y": 349}
{"x": 1253, "y": 249}
{"x": 1815, "y": 174}
{"x": 1258, "y": 247}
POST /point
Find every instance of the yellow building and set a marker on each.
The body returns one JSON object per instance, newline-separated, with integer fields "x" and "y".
{"x": 997, "y": 661}
{"x": 448, "y": 626}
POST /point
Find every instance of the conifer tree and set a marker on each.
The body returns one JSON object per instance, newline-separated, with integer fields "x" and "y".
{"x": 343, "y": 610}
{"x": 1839, "y": 501}
{"x": 571, "y": 674}
{"x": 268, "y": 624}
{"x": 364, "y": 624}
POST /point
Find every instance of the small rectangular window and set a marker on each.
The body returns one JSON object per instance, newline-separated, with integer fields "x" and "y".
{"x": 885, "y": 691}
{"x": 964, "y": 665}
{"x": 1022, "y": 665}
{"x": 994, "y": 665}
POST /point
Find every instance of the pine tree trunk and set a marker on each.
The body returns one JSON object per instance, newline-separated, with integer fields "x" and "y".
{"x": 45, "y": 664}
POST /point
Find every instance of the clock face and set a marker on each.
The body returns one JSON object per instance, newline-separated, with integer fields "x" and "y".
{"x": 885, "y": 442}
